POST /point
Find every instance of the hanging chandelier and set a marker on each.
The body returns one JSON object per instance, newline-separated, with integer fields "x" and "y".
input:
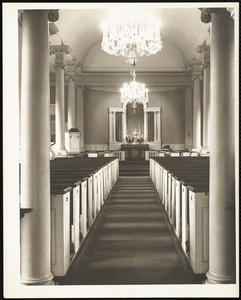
{"x": 134, "y": 93}
{"x": 135, "y": 34}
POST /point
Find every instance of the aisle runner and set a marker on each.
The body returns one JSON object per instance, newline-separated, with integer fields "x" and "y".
{"x": 132, "y": 244}
{"x": 134, "y": 168}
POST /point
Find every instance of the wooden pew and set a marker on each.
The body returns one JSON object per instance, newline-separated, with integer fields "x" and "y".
{"x": 74, "y": 197}
{"x": 86, "y": 195}
{"x": 174, "y": 178}
{"x": 199, "y": 226}
{"x": 60, "y": 229}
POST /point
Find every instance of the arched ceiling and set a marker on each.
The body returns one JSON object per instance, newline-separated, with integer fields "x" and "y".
{"x": 181, "y": 30}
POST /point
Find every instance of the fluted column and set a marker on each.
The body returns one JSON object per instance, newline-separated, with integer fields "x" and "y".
{"x": 206, "y": 108}
{"x": 60, "y": 112}
{"x": 114, "y": 125}
{"x": 110, "y": 126}
{"x": 145, "y": 126}
{"x": 155, "y": 125}
{"x": 71, "y": 77}
{"x": 124, "y": 125}
{"x": 222, "y": 149}
{"x": 196, "y": 114}
{"x": 35, "y": 165}
{"x": 205, "y": 50}
{"x": 158, "y": 119}
{"x": 80, "y": 114}
{"x": 60, "y": 52}
{"x": 71, "y": 103}
{"x": 188, "y": 118}
{"x": 196, "y": 72}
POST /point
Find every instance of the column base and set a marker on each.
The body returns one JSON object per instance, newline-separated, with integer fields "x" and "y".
{"x": 52, "y": 154}
{"x": 43, "y": 281}
{"x": 205, "y": 151}
{"x": 62, "y": 152}
{"x": 197, "y": 149}
{"x": 215, "y": 279}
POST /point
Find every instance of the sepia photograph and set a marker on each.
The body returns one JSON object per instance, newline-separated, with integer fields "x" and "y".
{"x": 121, "y": 150}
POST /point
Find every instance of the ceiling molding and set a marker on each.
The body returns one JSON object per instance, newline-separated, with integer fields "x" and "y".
{"x": 138, "y": 69}
{"x": 116, "y": 89}
{"x": 154, "y": 79}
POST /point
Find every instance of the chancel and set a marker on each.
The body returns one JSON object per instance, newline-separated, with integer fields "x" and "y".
{"x": 127, "y": 145}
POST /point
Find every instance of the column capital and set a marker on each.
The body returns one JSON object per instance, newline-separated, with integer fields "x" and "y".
{"x": 71, "y": 77}
{"x": 20, "y": 18}
{"x": 71, "y": 66}
{"x": 53, "y": 29}
{"x": 59, "y": 65}
{"x": 205, "y": 51}
{"x": 194, "y": 77}
{"x": 232, "y": 11}
{"x": 60, "y": 49}
{"x": 53, "y": 15}
{"x": 206, "y": 14}
{"x": 80, "y": 86}
{"x": 194, "y": 67}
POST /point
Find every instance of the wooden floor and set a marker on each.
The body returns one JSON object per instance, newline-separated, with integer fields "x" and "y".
{"x": 131, "y": 242}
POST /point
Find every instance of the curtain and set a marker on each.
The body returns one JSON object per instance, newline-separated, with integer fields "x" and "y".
{"x": 150, "y": 124}
{"x": 118, "y": 126}
{"x": 135, "y": 119}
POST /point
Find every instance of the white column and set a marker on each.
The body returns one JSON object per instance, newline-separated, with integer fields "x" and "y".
{"x": 123, "y": 125}
{"x": 206, "y": 108}
{"x": 110, "y": 127}
{"x": 20, "y": 76}
{"x": 158, "y": 126}
{"x": 196, "y": 114}
{"x": 155, "y": 124}
{"x": 161, "y": 127}
{"x": 35, "y": 165}
{"x": 188, "y": 118}
{"x": 205, "y": 52}
{"x": 145, "y": 126}
{"x": 71, "y": 103}
{"x": 60, "y": 51}
{"x": 80, "y": 114}
{"x": 222, "y": 148}
{"x": 114, "y": 125}
{"x": 60, "y": 149}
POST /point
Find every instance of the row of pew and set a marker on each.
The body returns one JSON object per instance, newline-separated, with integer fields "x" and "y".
{"x": 79, "y": 187}
{"x": 182, "y": 184}
{"x": 176, "y": 153}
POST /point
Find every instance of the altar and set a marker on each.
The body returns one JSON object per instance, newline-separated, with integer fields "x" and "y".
{"x": 134, "y": 151}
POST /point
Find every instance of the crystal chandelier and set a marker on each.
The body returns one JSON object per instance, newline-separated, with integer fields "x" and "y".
{"x": 135, "y": 92}
{"x": 133, "y": 35}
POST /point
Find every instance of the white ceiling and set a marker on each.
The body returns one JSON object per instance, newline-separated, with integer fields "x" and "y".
{"x": 181, "y": 31}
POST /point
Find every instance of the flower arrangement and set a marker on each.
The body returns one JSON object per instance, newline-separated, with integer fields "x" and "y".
{"x": 129, "y": 138}
{"x": 140, "y": 139}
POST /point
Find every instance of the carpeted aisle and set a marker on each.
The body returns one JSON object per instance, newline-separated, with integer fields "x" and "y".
{"x": 134, "y": 168}
{"x": 132, "y": 243}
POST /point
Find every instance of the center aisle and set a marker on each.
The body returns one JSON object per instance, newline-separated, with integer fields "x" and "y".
{"x": 132, "y": 243}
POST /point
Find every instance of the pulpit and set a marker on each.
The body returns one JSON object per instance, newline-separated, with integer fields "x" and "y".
{"x": 135, "y": 151}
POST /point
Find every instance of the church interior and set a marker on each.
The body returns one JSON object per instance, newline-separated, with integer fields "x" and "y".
{"x": 126, "y": 155}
